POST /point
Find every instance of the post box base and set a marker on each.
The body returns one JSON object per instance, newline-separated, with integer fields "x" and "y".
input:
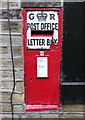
{"x": 41, "y": 107}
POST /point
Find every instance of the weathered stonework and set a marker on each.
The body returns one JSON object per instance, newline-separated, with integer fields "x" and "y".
{"x": 18, "y": 108}
{"x": 19, "y": 86}
{"x": 18, "y": 98}
{"x": 17, "y": 51}
{"x": 7, "y": 74}
{"x": 7, "y": 85}
{"x": 6, "y": 107}
{"x": 14, "y": 25}
{"x": 6, "y": 96}
{"x": 40, "y": 4}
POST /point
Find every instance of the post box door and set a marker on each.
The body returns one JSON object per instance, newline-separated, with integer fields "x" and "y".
{"x": 42, "y": 57}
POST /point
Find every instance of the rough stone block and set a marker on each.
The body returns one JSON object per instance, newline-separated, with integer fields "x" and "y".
{"x": 6, "y": 107}
{"x": 6, "y": 63}
{"x": 20, "y": 86}
{"x": 14, "y": 25}
{"x": 19, "y": 63}
{"x": 15, "y": 39}
{"x": 0, "y": 50}
{"x": 7, "y": 74}
{"x": 18, "y": 108}
{"x": 7, "y": 85}
{"x": 5, "y": 50}
{"x": 6, "y": 96}
{"x": 17, "y": 51}
{"x": 14, "y": 14}
{"x": 21, "y": 74}
{"x": 1, "y": 72}
{"x": 18, "y": 98}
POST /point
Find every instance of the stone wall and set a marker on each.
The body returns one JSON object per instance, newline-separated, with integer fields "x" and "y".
{"x": 6, "y": 74}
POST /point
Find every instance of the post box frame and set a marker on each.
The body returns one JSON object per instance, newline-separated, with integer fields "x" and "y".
{"x": 24, "y": 19}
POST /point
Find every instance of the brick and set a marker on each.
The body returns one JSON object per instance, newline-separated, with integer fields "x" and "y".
{"x": 20, "y": 86}
{"x": 0, "y": 50}
{"x": 15, "y": 39}
{"x": 6, "y": 107}
{"x": 0, "y": 4}
{"x": 5, "y": 50}
{"x": 19, "y": 63}
{"x": 7, "y": 74}
{"x": 0, "y": 107}
{"x": 14, "y": 14}
{"x": 17, "y": 74}
{"x": 17, "y": 51}
{"x": 6, "y": 96}
{"x": 4, "y": 4}
{"x": 0, "y": 92}
{"x": 18, "y": 108}
{"x": 6, "y": 63}
{"x": 7, "y": 85}
{"x": 14, "y": 25}
{"x": 21, "y": 74}
{"x": 1, "y": 85}
{"x": 14, "y": 4}
{"x": 18, "y": 98}
{"x": 1, "y": 72}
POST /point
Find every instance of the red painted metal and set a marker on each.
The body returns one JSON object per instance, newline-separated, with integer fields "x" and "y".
{"x": 42, "y": 93}
{"x": 41, "y": 107}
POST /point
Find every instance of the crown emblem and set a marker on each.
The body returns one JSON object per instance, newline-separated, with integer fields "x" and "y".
{"x": 42, "y": 16}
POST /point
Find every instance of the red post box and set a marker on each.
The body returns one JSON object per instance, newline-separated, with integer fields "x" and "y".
{"x": 42, "y": 43}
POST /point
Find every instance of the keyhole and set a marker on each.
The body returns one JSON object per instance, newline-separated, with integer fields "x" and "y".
{"x": 30, "y": 78}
